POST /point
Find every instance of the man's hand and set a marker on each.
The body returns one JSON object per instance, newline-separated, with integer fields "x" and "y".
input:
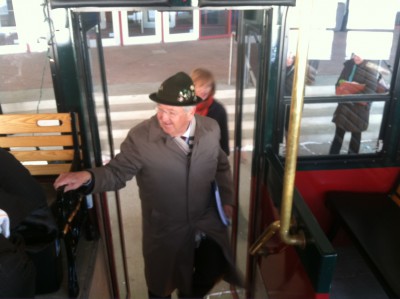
{"x": 72, "y": 180}
{"x": 4, "y": 224}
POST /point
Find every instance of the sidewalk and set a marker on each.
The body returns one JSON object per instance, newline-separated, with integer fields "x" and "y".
{"x": 134, "y": 67}
{"x": 129, "y": 69}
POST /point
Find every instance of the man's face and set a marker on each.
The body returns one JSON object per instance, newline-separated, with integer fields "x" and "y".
{"x": 174, "y": 120}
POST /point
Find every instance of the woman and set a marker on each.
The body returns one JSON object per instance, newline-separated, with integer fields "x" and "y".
{"x": 357, "y": 76}
{"x": 205, "y": 88}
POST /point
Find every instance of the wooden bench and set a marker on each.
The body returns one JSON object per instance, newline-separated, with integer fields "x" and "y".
{"x": 47, "y": 145}
{"x": 372, "y": 221}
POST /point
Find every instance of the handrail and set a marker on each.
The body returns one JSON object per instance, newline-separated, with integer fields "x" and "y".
{"x": 296, "y": 109}
{"x": 264, "y": 238}
{"x": 284, "y": 224}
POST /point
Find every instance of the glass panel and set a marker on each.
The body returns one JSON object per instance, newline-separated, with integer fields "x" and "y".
{"x": 317, "y": 130}
{"x": 181, "y": 25}
{"x": 98, "y": 93}
{"x": 141, "y": 27}
{"x": 17, "y": 35}
{"x": 348, "y": 58}
{"x": 106, "y": 24}
{"x": 251, "y": 42}
{"x": 26, "y": 84}
{"x": 8, "y": 30}
{"x": 142, "y": 23}
{"x": 100, "y": 102}
{"x": 338, "y": 36}
{"x": 180, "y": 22}
{"x": 214, "y": 22}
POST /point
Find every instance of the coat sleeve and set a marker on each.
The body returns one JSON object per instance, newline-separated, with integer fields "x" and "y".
{"x": 125, "y": 165}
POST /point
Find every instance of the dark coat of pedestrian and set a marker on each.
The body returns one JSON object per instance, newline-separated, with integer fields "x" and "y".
{"x": 358, "y": 76}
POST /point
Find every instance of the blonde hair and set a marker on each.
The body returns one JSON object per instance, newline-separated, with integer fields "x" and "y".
{"x": 203, "y": 75}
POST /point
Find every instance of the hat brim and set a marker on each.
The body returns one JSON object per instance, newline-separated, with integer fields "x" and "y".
{"x": 153, "y": 97}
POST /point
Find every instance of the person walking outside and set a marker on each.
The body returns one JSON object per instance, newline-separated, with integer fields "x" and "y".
{"x": 205, "y": 86}
{"x": 357, "y": 76}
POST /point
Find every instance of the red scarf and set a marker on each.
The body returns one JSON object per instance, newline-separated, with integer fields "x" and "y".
{"x": 202, "y": 108}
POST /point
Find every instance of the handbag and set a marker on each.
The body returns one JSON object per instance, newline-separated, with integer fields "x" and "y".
{"x": 347, "y": 87}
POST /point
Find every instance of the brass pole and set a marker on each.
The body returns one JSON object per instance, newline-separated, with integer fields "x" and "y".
{"x": 264, "y": 238}
{"x": 294, "y": 126}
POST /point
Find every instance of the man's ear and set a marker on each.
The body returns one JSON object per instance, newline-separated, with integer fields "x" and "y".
{"x": 191, "y": 112}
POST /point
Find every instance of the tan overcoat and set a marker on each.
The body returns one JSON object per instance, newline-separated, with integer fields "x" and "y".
{"x": 176, "y": 199}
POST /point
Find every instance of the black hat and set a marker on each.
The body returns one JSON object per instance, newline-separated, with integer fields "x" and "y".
{"x": 177, "y": 90}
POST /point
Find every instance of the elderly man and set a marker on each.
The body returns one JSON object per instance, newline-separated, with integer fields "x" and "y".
{"x": 185, "y": 244}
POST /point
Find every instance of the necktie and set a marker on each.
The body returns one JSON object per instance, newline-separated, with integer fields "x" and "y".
{"x": 189, "y": 141}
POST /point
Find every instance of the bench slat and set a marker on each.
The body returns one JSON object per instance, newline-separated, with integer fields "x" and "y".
{"x": 48, "y": 169}
{"x": 36, "y": 141}
{"x": 31, "y": 123}
{"x": 44, "y": 155}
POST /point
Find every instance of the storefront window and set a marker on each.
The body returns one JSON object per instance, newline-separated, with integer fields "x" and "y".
{"x": 8, "y": 31}
{"x": 215, "y": 23}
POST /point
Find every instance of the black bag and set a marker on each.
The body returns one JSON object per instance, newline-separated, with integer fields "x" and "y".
{"x": 48, "y": 262}
{"x": 17, "y": 271}
{"x": 39, "y": 228}
{"x": 40, "y": 233}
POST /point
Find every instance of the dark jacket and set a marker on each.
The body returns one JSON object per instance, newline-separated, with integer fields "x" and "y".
{"x": 20, "y": 193}
{"x": 217, "y": 111}
{"x": 175, "y": 196}
{"x": 354, "y": 116}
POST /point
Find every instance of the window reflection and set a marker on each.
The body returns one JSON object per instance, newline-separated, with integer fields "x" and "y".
{"x": 338, "y": 35}
{"x": 336, "y": 39}
{"x": 8, "y": 30}
{"x": 142, "y": 23}
{"x": 106, "y": 24}
{"x": 180, "y": 22}
{"x": 317, "y": 130}
{"x": 214, "y": 22}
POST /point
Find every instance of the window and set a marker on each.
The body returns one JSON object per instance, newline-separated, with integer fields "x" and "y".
{"x": 8, "y": 31}
{"x": 350, "y": 63}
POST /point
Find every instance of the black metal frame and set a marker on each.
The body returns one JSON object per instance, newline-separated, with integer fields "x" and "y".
{"x": 166, "y": 3}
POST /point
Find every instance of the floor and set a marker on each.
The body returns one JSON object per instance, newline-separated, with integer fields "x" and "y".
{"x": 353, "y": 279}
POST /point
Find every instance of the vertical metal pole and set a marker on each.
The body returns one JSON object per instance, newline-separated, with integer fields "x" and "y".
{"x": 294, "y": 125}
{"x": 233, "y": 34}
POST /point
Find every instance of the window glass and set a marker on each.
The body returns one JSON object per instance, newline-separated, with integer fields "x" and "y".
{"x": 337, "y": 36}
{"x": 317, "y": 130}
{"x": 106, "y": 24}
{"x": 214, "y": 22}
{"x": 8, "y": 30}
{"x": 350, "y": 57}
{"x": 142, "y": 23}
{"x": 26, "y": 84}
{"x": 180, "y": 22}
